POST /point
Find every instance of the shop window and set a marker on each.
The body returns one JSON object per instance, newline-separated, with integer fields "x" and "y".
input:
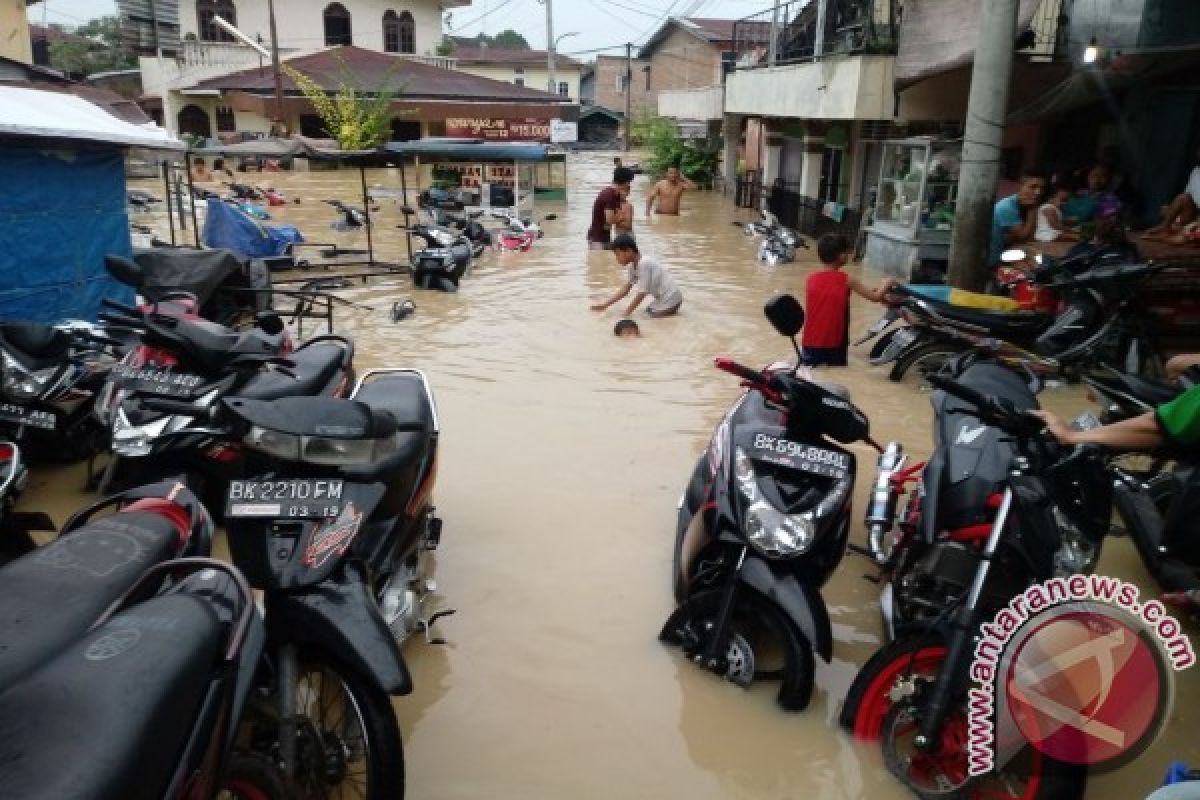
{"x": 337, "y": 25}
{"x": 210, "y": 31}
{"x": 405, "y": 130}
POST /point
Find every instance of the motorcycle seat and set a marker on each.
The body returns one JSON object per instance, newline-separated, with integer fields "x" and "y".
{"x": 49, "y": 597}
{"x": 315, "y": 370}
{"x": 212, "y": 346}
{"x": 402, "y": 396}
{"x": 36, "y": 346}
{"x": 110, "y": 716}
{"x": 1003, "y": 324}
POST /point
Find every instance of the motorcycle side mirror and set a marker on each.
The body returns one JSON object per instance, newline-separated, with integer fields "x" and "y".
{"x": 1013, "y": 256}
{"x": 785, "y": 314}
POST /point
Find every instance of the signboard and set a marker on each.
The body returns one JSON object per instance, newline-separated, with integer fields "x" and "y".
{"x": 499, "y": 130}
{"x": 562, "y": 131}
{"x": 472, "y": 175}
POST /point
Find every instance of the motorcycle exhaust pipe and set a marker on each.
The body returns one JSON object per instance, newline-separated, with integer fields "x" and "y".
{"x": 881, "y": 511}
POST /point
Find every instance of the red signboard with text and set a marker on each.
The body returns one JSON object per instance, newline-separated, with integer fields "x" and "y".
{"x": 499, "y": 130}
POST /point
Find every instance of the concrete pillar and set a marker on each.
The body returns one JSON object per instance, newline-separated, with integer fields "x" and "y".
{"x": 773, "y": 158}
{"x": 733, "y": 133}
{"x": 986, "y": 107}
{"x": 810, "y": 174}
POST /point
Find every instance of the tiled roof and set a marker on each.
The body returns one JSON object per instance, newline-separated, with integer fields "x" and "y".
{"x": 373, "y": 70}
{"x": 50, "y": 34}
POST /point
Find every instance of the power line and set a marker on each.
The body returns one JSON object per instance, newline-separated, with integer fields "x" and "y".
{"x": 633, "y": 9}
{"x": 660, "y": 21}
{"x": 482, "y": 16}
{"x": 601, "y": 8}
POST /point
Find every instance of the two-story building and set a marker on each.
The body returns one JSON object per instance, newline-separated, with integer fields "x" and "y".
{"x": 15, "y": 43}
{"x": 613, "y": 78}
{"x": 521, "y": 67}
{"x": 214, "y": 85}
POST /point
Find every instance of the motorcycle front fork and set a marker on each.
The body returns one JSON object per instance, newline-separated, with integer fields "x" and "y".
{"x": 288, "y": 675}
{"x": 953, "y": 674}
{"x": 713, "y": 656}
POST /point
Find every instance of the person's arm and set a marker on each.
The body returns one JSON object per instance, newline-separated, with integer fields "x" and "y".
{"x": 685, "y": 183}
{"x": 875, "y": 295}
{"x": 1177, "y": 365}
{"x": 625, "y": 216}
{"x": 637, "y": 301}
{"x": 1054, "y": 218}
{"x": 1136, "y": 433}
{"x": 1024, "y": 231}
{"x": 651, "y": 198}
{"x": 624, "y": 290}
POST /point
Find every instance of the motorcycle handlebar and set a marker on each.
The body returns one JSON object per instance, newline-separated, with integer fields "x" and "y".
{"x": 734, "y": 368}
{"x": 1016, "y": 422}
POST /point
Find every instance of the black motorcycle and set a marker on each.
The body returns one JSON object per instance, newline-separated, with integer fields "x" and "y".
{"x": 335, "y": 522}
{"x": 200, "y": 364}
{"x": 763, "y": 523}
{"x": 1101, "y": 322}
{"x": 998, "y": 507}
{"x": 444, "y": 259}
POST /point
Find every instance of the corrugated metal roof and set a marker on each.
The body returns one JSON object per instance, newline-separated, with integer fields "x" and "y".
{"x": 502, "y": 55}
{"x": 373, "y": 70}
{"x": 484, "y": 151}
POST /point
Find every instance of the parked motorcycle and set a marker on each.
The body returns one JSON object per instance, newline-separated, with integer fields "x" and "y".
{"x": 1102, "y": 322}
{"x": 999, "y": 506}
{"x": 335, "y": 522}
{"x": 466, "y": 223}
{"x": 518, "y": 234}
{"x": 778, "y": 245}
{"x": 140, "y": 641}
{"x": 199, "y": 365}
{"x": 763, "y": 523}
{"x": 444, "y": 260}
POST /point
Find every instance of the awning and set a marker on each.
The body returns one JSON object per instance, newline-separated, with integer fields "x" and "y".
{"x": 1083, "y": 87}
{"x": 937, "y": 37}
{"x": 31, "y": 113}
{"x": 476, "y": 150}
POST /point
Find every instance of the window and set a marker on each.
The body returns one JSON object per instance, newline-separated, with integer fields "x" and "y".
{"x": 519, "y": 76}
{"x": 622, "y": 82}
{"x": 209, "y": 30}
{"x": 564, "y": 89}
{"x": 337, "y": 25}
{"x": 312, "y": 126}
{"x": 193, "y": 120}
{"x": 408, "y": 33}
{"x": 226, "y": 122}
{"x": 391, "y": 32}
{"x": 647, "y": 71}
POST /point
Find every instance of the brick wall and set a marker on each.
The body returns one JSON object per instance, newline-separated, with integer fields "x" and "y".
{"x": 683, "y": 61}
{"x": 609, "y": 70}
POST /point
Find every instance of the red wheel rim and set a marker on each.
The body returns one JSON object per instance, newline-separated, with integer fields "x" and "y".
{"x": 875, "y": 703}
{"x": 244, "y": 790}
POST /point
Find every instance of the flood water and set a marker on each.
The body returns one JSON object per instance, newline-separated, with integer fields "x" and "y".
{"x": 564, "y": 451}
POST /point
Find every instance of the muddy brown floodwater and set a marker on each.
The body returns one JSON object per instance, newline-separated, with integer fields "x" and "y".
{"x": 564, "y": 451}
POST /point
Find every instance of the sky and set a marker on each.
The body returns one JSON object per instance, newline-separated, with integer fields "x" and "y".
{"x": 597, "y": 23}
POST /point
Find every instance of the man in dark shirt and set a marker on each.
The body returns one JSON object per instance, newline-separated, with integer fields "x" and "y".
{"x": 606, "y": 208}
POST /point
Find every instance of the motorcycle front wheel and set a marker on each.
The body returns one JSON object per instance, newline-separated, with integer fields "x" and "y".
{"x": 943, "y": 775}
{"x": 761, "y": 643}
{"x": 349, "y": 741}
{"x": 927, "y": 359}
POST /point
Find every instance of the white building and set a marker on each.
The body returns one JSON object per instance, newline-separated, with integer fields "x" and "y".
{"x": 408, "y": 27}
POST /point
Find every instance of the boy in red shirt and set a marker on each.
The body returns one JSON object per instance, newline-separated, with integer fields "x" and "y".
{"x": 826, "y": 335}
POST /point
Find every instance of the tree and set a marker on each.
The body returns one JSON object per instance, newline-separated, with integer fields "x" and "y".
{"x": 509, "y": 39}
{"x": 104, "y": 53}
{"x": 697, "y": 160}
{"x": 357, "y": 119}
{"x": 446, "y": 47}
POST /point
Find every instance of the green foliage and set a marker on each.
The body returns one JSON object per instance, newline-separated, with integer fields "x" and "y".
{"x": 697, "y": 160}
{"x": 509, "y": 40}
{"x": 356, "y": 119}
{"x": 446, "y": 47}
{"x": 104, "y": 53}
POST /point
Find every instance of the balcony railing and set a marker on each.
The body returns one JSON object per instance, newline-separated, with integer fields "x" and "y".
{"x": 199, "y": 54}
{"x": 788, "y": 33}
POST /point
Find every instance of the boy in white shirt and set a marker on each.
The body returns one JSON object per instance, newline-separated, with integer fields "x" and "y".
{"x": 649, "y": 277}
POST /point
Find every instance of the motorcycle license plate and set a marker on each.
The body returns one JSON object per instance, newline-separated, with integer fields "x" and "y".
{"x": 156, "y": 380}
{"x": 800, "y": 456}
{"x": 307, "y": 498}
{"x": 901, "y": 339}
{"x": 23, "y": 415}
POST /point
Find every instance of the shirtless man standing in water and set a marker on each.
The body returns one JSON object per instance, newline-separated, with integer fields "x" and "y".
{"x": 668, "y": 191}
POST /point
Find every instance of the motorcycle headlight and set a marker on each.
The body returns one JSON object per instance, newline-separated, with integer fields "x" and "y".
{"x": 770, "y": 531}
{"x": 18, "y": 383}
{"x": 136, "y": 441}
{"x": 319, "y": 449}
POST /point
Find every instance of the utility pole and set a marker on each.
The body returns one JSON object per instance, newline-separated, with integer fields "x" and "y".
{"x": 772, "y": 51}
{"x": 280, "y": 125}
{"x": 553, "y": 89}
{"x": 986, "y": 107}
{"x": 628, "y": 91}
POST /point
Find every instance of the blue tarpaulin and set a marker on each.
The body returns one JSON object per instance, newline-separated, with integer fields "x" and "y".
{"x": 231, "y": 228}
{"x": 61, "y": 212}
